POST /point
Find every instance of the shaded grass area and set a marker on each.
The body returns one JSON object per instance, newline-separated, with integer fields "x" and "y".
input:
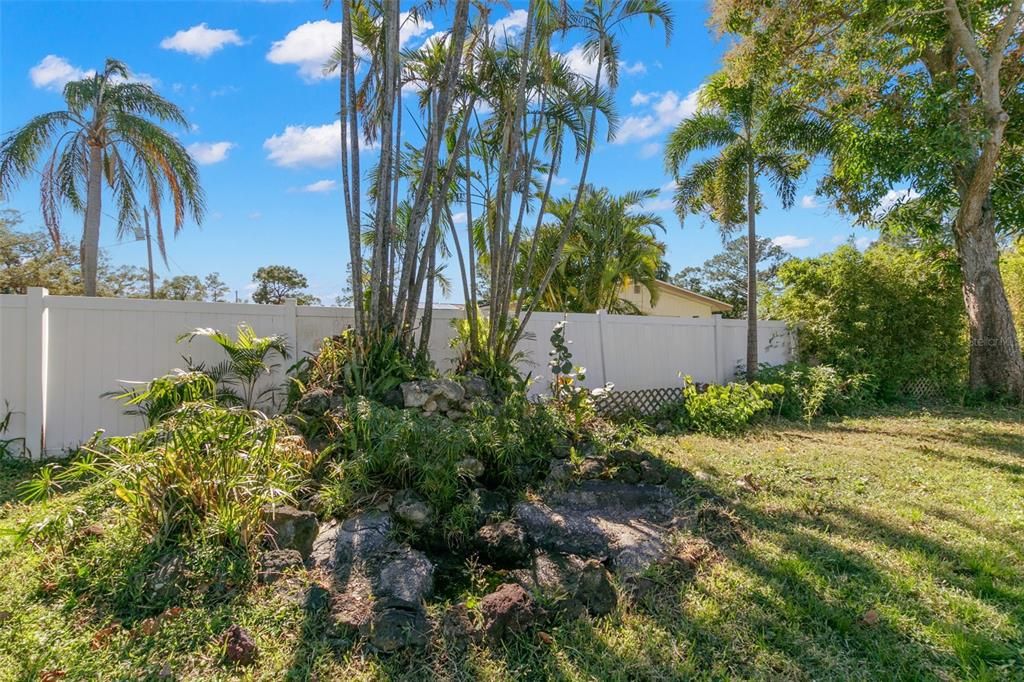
{"x": 882, "y": 547}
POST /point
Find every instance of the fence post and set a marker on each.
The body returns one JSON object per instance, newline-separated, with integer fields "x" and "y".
{"x": 291, "y": 323}
{"x": 717, "y": 317}
{"x": 601, "y": 314}
{"x": 36, "y": 357}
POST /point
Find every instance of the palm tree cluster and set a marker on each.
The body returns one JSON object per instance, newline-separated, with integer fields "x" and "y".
{"x": 497, "y": 115}
{"x": 109, "y": 134}
{"x": 614, "y": 244}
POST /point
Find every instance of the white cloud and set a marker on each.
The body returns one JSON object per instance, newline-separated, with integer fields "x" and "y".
{"x": 633, "y": 69}
{"x": 658, "y": 204}
{"x": 650, "y": 149}
{"x": 640, "y": 98}
{"x": 201, "y": 41}
{"x": 206, "y": 153}
{"x": 863, "y": 242}
{"x": 809, "y": 201}
{"x": 790, "y": 242}
{"x": 580, "y": 63}
{"x": 54, "y": 72}
{"x": 511, "y": 25}
{"x": 894, "y": 198}
{"x": 311, "y": 44}
{"x": 255, "y": 215}
{"x": 320, "y": 186}
{"x": 307, "y": 145}
{"x": 667, "y": 110}
{"x": 410, "y": 30}
{"x": 459, "y": 218}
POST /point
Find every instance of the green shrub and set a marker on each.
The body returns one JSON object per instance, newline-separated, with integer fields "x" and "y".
{"x": 889, "y": 312}
{"x": 814, "y": 391}
{"x": 729, "y": 409}
{"x": 379, "y": 448}
{"x": 355, "y": 366}
{"x": 201, "y": 475}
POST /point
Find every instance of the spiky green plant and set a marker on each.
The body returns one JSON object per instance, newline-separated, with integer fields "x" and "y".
{"x": 108, "y": 134}
{"x": 250, "y": 358}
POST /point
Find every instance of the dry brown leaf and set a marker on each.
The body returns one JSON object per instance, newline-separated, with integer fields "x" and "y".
{"x": 870, "y": 617}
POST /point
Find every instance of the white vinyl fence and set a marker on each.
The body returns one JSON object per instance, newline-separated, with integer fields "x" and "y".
{"x": 60, "y": 354}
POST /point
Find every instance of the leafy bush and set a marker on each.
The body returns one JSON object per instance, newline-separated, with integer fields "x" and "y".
{"x": 481, "y": 359}
{"x": 355, "y": 366}
{"x": 724, "y": 410}
{"x": 249, "y": 358}
{"x": 814, "y": 391}
{"x": 202, "y": 474}
{"x": 888, "y": 312}
{"x": 379, "y": 448}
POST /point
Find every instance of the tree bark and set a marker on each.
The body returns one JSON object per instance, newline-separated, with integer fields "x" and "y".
{"x": 90, "y": 247}
{"x": 996, "y": 363}
{"x": 751, "y": 275}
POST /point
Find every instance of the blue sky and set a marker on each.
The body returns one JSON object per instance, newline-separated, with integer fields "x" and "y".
{"x": 247, "y": 74}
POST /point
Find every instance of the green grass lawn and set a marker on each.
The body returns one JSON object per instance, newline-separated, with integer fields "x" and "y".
{"x": 886, "y": 547}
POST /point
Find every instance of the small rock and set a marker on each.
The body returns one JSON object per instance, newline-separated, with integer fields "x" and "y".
{"x": 476, "y": 387}
{"x": 314, "y": 402}
{"x": 703, "y": 476}
{"x": 663, "y": 427}
{"x": 627, "y": 456}
{"x": 457, "y": 626}
{"x": 290, "y": 528}
{"x": 492, "y": 504}
{"x": 239, "y": 647}
{"x": 275, "y": 563}
{"x": 627, "y": 474}
{"x": 317, "y": 599}
{"x": 164, "y": 582}
{"x": 408, "y": 507}
{"x": 398, "y": 625}
{"x": 393, "y": 398}
{"x": 577, "y": 585}
{"x": 652, "y": 472}
{"x": 502, "y": 544}
{"x": 559, "y": 471}
{"x": 591, "y": 469}
{"x": 470, "y": 466}
{"x": 455, "y": 415}
{"x": 420, "y": 393}
{"x": 507, "y": 610}
{"x": 676, "y": 477}
{"x": 692, "y": 553}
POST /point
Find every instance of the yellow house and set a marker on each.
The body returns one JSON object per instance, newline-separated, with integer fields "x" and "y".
{"x": 672, "y": 301}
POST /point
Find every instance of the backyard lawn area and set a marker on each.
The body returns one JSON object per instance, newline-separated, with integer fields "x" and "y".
{"x": 882, "y": 547}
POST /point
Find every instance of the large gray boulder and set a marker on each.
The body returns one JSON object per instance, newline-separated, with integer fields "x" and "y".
{"x": 290, "y": 528}
{"x": 572, "y": 583}
{"x": 379, "y": 583}
{"x": 627, "y": 525}
{"x": 421, "y": 393}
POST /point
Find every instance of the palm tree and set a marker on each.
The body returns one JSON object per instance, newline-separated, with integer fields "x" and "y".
{"x": 755, "y": 135}
{"x": 106, "y": 134}
{"x": 614, "y": 244}
{"x": 600, "y": 20}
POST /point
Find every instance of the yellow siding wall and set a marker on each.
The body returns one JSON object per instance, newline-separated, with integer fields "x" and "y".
{"x": 669, "y": 303}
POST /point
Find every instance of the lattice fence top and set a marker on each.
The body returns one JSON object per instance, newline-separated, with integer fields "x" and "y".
{"x": 643, "y": 402}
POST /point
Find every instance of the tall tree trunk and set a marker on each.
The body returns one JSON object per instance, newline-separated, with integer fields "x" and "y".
{"x": 751, "y": 274}
{"x": 996, "y": 363}
{"x": 90, "y": 247}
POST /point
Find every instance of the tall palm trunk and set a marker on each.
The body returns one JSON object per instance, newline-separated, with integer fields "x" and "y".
{"x": 90, "y": 247}
{"x": 751, "y": 274}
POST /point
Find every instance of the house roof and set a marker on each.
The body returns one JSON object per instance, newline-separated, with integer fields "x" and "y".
{"x": 716, "y": 305}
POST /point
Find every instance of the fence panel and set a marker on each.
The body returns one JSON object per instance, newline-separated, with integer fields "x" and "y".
{"x": 13, "y": 364}
{"x": 60, "y": 354}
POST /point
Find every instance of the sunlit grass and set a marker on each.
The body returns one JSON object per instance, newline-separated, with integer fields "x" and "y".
{"x": 884, "y": 547}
